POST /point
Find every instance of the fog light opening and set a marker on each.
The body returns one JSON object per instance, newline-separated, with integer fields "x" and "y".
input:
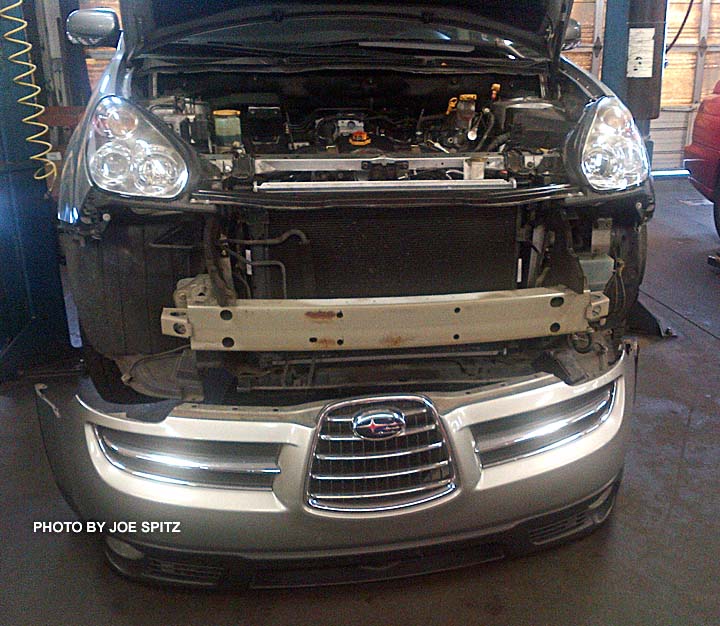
{"x": 123, "y": 549}
{"x": 603, "y": 506}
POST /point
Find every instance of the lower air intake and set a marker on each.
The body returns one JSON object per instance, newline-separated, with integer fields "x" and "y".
{"x": 177, "y": 571}
{"x": 406, "y": 465}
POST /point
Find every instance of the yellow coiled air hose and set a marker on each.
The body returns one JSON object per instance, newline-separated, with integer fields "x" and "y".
{"x": 27, "y": 79}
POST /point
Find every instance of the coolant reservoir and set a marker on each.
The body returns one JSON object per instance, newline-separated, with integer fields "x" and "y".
{"x": 227, "y": 127}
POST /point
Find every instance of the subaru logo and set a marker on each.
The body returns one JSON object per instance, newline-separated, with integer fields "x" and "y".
{"x": 379, "y": 424}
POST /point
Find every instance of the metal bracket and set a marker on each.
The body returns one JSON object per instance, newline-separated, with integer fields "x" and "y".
{"x": 643, "y": 322}
{"x": 601, "y": 236}
{"x": 599, "y": 307}
{"x": 597, "y": 47}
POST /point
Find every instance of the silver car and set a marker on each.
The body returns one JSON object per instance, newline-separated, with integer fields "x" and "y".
{"x": 353, "y": 281}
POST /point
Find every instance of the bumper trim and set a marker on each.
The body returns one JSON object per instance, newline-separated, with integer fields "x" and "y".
{"x": 543, "y": 430}
{"x": 218, "y": 570}
{"x": 218, "y": 463}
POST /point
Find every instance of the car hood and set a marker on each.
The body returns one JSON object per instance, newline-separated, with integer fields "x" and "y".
{"x": 539, "y": 25}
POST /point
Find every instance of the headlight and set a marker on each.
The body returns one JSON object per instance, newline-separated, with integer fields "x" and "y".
{"x": 126, "y": 154}
{"x": 613, "y": 155}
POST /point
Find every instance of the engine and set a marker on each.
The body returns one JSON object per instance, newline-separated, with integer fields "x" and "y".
{"x": 280, "y": 142}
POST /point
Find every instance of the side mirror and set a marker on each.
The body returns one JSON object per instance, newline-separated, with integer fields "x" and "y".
{"x": 93, "y": 27}
{"x": 573, "y": 35}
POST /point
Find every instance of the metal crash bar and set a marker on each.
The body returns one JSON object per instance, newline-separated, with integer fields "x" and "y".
{"x": 386, "y": 323}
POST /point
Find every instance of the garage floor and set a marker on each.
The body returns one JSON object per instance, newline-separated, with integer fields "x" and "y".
{"x": 656, "y": 563}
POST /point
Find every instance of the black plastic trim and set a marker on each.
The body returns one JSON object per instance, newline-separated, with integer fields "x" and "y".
{"x": 234, "y": 571}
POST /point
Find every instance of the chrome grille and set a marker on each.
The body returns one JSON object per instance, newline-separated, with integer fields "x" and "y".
{"x": 350, "y": 473}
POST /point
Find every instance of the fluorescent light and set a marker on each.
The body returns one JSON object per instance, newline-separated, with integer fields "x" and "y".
{"x": 670, "y": 173}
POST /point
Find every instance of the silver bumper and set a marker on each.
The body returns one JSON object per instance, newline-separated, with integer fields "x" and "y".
{"x": 278, "y": 523}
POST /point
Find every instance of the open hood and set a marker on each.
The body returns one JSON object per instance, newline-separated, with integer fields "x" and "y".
{"x": 535, "y": 25}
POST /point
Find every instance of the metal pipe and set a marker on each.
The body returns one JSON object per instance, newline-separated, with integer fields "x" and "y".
{"x": 279, "y": 264}
{"x": 293, "y": 232}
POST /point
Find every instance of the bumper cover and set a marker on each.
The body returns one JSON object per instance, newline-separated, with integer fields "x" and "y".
{"x": 213, "y": 570}
{"x": 278, "y": 526}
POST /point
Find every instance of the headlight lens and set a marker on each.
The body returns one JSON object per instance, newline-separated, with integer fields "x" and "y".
{"x": 613, "y": 155}
{"x": 128, "y": 155}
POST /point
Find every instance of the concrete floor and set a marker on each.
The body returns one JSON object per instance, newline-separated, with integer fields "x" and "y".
{"x": 656, "y": 563}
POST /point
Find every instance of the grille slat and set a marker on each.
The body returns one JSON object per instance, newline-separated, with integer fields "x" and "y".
{"x": 408, "y": 432}
{"x": 354, "y": 474}
{"x": 388, "y": 474}
{"x": 384, "y": 494}
{"x": 184, "y": 572}
{"x": 410, "y": 413}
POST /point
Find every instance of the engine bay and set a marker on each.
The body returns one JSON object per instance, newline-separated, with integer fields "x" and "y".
{"x": 230, "y": 267}
{"x": 369, "y": 132}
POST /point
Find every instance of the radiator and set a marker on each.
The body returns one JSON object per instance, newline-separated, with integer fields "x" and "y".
{"x": 353, "y": 253}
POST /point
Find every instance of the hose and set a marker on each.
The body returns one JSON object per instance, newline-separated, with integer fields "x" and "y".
{"x": 221, "y": 290}
{"x": 682, "y": 27}
{"x": 26, "y": 79}
{"x": 486, "y": 134}
{"x": 498, "y": 141}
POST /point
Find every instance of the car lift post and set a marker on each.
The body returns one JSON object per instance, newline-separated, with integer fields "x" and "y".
{"x": 634, "y": 73}
{"x": 631, "y": 70}
{"x": 33, "y": 325}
